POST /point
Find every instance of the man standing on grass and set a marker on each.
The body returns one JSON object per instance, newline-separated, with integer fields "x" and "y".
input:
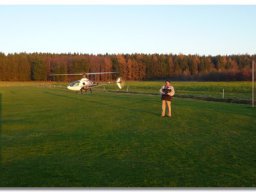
{"x": 167, "y": 91}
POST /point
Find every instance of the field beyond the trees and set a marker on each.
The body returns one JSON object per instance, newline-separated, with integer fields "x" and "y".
{"x": 51, "y": 137}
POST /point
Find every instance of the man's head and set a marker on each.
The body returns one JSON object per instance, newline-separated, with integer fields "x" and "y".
{"x": 167, "y": 83}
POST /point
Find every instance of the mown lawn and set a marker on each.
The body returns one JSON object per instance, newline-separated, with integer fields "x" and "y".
{"x": 232, "y": 90}
{"x": 52, "y": 137}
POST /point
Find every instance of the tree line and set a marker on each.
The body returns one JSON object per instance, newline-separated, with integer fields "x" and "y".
{"x": 40, "y": 66}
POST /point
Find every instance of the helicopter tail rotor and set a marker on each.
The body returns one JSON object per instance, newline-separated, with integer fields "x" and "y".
{"x": 120, "y": 83}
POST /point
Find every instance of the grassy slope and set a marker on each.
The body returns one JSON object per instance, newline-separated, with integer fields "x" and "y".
{"x": 51, "y": 137}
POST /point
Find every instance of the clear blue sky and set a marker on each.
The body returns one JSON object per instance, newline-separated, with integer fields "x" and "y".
{"x": 208, "y": 29}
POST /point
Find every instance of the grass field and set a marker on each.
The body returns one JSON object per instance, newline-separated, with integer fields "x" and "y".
{"x": 232, "y": 90}
{"x": 52, "y": 137}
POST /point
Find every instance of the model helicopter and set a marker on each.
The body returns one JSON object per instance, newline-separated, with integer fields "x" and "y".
{"x": 84, "y": 84}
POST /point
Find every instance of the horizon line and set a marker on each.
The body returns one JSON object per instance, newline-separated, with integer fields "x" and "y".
{"x": 106, "y": 53}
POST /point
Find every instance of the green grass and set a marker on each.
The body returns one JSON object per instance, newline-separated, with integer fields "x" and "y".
{"x": 232, "y": 90}
{"x": 53, "y": 137}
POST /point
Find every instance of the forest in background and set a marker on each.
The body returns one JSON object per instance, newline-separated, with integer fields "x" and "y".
{"x": 39, "y": 66}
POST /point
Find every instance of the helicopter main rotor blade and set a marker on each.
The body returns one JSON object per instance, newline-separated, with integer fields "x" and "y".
{"x": 96, "y": 73}
{"x": 99, "y": 73}
{"x": 56, "y": 74}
